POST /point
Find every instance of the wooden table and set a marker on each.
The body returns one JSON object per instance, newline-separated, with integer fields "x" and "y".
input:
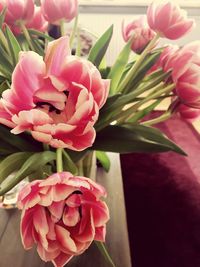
{"x": 12, "y": 253}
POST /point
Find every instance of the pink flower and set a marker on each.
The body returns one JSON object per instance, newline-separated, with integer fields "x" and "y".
{"x": 62, "y": 215}
{"x": 168, "y": 20}
{"x": 186, "y": 74}
{"x": 188, "y": 113}
{"x": 165, "y": 60}
{"x": 55, "y": 11}
{"x": 57, "y": 99}
{"x": 38, "y": 22}
{"x": 17, "y": 10}
{"x": 141, "y": 32}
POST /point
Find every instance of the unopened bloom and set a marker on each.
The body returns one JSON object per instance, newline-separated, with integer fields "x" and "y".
{"x": 55, "y": 11}
{"x": 168, "y": 20}
{"x": 57, "y": 99}
{"x": 140, "y": 33}
{"x": 62, "y": 215}
{"x": 38, "y": 21}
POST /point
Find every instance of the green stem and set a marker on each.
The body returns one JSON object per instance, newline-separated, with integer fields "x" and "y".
{"x": 78, "y": 46}
{"x": 59, "y": 162}
{"x": 79, "y": 165}
{"x": 72, "y": 35}
{"x": 163, "y": 117}
{"x": 135, "y": 67}
{"x": 27, "y": 35}
{"x": 46, "y": 147}
{"x": 62, "y": 27}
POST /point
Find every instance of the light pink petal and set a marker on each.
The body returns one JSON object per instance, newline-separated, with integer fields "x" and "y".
{"x": 71, "y": 216}
{"x": 47, "y": 254}
{"x": 41, "y": 225}
{"x": 26, "y": 120}
{"x": 61, "y": 260}
{"x": 26, "y": 228}
{"x": 63, "y": 237}
{"x": 56, "y": 54}
{"x": 100, "y": 234}
{"x": 56, "y": 209}
{"x": 28, "y": 76}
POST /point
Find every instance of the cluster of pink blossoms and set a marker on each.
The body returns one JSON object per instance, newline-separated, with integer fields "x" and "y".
{"x": 56, "y": 99}
{"x": 37, "y": 17}
{"x": 169, "y": 21}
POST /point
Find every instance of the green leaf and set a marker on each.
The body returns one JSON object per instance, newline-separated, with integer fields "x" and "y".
{"x": 148, "y": 62}
{"x": 133, "y": 138}
{"x": 3, "y": 86}
{"x": 104, "y": 160}
{"x": 142, "y": 113}
{"x": 31, "y": 165}
{"x": 119, "y": 67}
{"x": 68, "y": 163}
{"x": 2, "y": 17}
{"x": 12, "y": 163}
{"x": 13, "y": 45}
{"x": 105, "y": 253}
{"x": 5, "y": 63}
{"x": 35, "y": 33}
{"x": 16, "y": 140}
{"x": 99, "y": 49}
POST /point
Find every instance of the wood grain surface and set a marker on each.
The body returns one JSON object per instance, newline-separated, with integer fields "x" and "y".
{"x": 12, "y": 253}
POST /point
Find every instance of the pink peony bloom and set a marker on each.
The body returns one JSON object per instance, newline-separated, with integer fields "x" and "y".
{"x": 62, "y": 215}
{"x": 38, "y": 21}
{"x": 168, "y": 20}
{"x": 55, "y": 11}
{"x": 186, "y": 74}
{"x": 141, "y": 32}
{"x": 188, "y": 113}
{"x": 56, "y": 99}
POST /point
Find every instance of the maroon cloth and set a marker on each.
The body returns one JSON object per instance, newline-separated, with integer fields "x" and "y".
{"x": 162, "y": 194}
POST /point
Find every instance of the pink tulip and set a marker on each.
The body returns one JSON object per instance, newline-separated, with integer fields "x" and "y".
{"x": 166, "y": 58}
{"x": 186, "y": 74}
{"x": 55, "y": 11}
{"x": 188, "y": 113}
{"x": 140, "y": 32}
{"x": 168, "y": 20}
{"x": 57, "y": 99}
{"x": 38, "y": 22}
{"x": 18, "y": 10}
{"x": 62, "y": 215}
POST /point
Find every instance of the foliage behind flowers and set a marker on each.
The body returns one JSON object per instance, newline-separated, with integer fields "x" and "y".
{"x": 56, "y": 109}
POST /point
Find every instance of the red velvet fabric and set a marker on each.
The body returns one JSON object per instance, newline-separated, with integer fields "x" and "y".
{"x": 162, "y": 193}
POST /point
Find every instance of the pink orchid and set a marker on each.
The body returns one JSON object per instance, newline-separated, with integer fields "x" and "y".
{"x": 57, "y": 99}
{"x": 62, "y": 215}
{"x": 168, "y": 20}
{"x": 38, "y": 21}
{"x": 186, "y": 74}
{"x": 55, "y": 11}
{"x": 140, "y": 32}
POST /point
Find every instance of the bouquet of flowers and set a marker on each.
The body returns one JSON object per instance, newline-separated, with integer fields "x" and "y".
{"x": 58, "y": 109}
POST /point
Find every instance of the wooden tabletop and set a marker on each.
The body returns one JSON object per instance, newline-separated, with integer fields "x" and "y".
{"x": 12, "y": 253}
